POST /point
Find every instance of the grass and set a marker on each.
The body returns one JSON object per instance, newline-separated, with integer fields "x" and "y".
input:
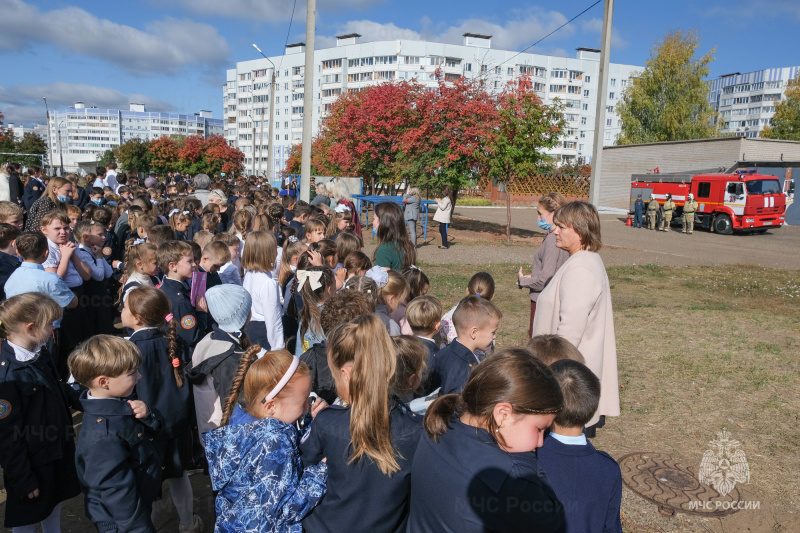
{"x": 473, "y": 202}
{"x": 699, "y": 349}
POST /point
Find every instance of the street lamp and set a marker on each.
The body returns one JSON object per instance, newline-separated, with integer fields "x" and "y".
{"x": 49, "y": 138}
{"x": 270, "y": 165}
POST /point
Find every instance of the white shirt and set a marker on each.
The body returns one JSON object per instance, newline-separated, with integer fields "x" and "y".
{"x": 71, "y": 278}
{"x": 267, "y": 308}
{"x": 22, "y": 355}
{"x": 111, "y": 180}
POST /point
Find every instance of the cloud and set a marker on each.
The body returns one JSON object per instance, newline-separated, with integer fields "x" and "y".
{"x": 23, "y": 103}
{"x": 372, "y": 31}
{"x": 264, "y": 10}
{"x": 164, "y": 46}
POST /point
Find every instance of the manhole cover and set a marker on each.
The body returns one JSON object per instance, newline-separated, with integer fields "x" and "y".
{"x": 660, "y": 479}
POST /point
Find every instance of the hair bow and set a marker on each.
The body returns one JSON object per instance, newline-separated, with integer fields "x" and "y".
{"x": 312, "y": 276}
{"x": 292, "y": 238}
{"x": 379, "y": 275}
{"x": 173, "y": 212}
{"x": 341, "y": 208}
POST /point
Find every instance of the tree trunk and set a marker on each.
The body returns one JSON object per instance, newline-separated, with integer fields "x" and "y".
{"x": 508, "y": 210}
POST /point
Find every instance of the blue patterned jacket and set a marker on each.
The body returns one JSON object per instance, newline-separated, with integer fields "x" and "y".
{"x": 255, "y": 465}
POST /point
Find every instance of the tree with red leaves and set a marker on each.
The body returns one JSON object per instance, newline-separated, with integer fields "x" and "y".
{"x": 190, "y": 155}
{"x": 163, "y": 155}
{"x": 220, "y": 157}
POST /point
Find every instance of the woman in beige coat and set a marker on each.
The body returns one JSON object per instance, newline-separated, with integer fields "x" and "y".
{"x": 576, "y": 304}
{"x": 443, "y": 212}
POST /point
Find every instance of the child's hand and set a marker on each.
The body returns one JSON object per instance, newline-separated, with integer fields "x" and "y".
{"x": 202, "y": 305}
{"x": 67, "y": 249}
{"x": 97, "y": 251}
{"x": 316, "y": 257}
{"x": 318, "y": 406}
{"x": 139, "y": 408}
{"x": 35, "y": 493}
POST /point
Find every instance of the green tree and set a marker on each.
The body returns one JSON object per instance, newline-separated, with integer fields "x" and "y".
{"x": 31, "y": 143}
{"x": 107, "y": 157}
{"x": 786, "y": 121}
{"x": 134, "y": 155}
{"x": 525, "y": 127}
{"x": 668, "y": 101}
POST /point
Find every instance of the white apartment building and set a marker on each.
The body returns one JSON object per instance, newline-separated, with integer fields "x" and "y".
{"x": 747, "y": 101}
{"x": 20, "y": 130}
{"x": 353, "y": 65}
{"x": 82, "y": 134}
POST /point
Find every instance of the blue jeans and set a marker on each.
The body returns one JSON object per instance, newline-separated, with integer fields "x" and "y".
{"x": 443, "y": 233}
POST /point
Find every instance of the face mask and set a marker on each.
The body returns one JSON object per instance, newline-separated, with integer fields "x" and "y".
{"x": 543, "y": 224}
{"x": 63, "y": 198}
{"x": 98, "y": 201}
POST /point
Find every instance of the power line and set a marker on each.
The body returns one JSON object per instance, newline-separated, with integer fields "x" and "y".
{"x": 288, "y": 32}
{"x": 551, "y": 33}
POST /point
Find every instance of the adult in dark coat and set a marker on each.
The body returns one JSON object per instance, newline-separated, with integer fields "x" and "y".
{"x": 34, "y": 188}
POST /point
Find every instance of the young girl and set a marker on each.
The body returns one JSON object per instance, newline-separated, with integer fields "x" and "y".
{"x": 163, "y": 386}
{"x": 481, "y": 284}
{"x": 265, "y": 327}
{"x": 411, "y": 203}
{"x": 253, "y": 458}
{"x": 485, "y": 436}
{"x": 242, "y": 225}
{"x": 314, "y": 285}
{"x": 291, "y": 253}
{"x": 357, "y": 264}
{"x": 314, "y": 229}
{"x": 210, "y": 222}
{"x": 369, "y": 441}
{"x": 411, "y": 358}
{"x": 340, "y": 221}
{"x": 418, "y": 285}
{"x": 443, "y": 214}
{"x": 37, "y": 442}
{"x": 141, "y": 268}
{"x": 365, "y": 286}
{"x": 395, "y": 250}
{"x": 180, "y": 222}
{"x": 346, "y": 244}
{"x": 391, "y": 294}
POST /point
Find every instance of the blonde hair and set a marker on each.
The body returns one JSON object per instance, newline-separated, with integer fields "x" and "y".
{"x": 9, "y": 209}
{"x": 474, "y": 311}
{"x": 552, "y": 201}
{"x": 135, "y": 254}
{"x": 202, "y": 238}
{"x": 423, "y": 313}
{"x": 217, "y": 250}
{"x": 242, "y": 222}
{"x": 262, "y": 223}
{"x": 365, "y": 343}
{"x": 28, "y": 308}
{"x": 181, "y": 217}
{"x": 173, "y": 252}
{"x": 397, "y": 286}
{"x": 103, "y": 355}
{"x": 414, "y": 191}
{"x": 365, "y": 286}
{"x": 583, "y": 218}
{"x": 334, "y": 223}
{"x": 55, "y": 214}
{"x": 52, "y": 185}
{"x": 260, "y": 252}
{"x": 551, "y": 348}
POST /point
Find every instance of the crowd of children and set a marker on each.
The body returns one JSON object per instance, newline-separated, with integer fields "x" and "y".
{"x": 321, "y": 388}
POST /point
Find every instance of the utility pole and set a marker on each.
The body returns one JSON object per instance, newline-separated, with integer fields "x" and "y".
{"x": 308, "y": 102}
{"x": 270, "y": 159}
{"x": 49, "y": 138}
{"x": 600, "y": 110}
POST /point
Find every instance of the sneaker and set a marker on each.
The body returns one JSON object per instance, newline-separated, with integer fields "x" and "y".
{"x": 195, "y": 527}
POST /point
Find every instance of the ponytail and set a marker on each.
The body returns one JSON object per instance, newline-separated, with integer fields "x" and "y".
{"x": 246, "y": 360}
{"x": 174, "y": 350}
{"x": 439, "y": 415}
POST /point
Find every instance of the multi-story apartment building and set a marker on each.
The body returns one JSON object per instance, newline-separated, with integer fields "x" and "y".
{"x": 82, "y": 134}
{"x": 747, "y": 102}
{"x": 352, "y": 65}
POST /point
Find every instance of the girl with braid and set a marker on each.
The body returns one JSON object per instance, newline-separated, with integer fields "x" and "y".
{"x": 253, "y": 457}
{"x": 163, "y": 386}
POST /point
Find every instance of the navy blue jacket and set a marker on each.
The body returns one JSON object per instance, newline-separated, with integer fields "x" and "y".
{"x": 451, "y": 368}
{"x": 638, "y": 206}
{"x": 33, "y": 190}
{"x": 8, "y": 264}
{"x": 83, "y": 197}
{"x": 360, "y": 497}
{"x": 118, "y": 465}
{"x": 206, "y": 321}
{"x": 430, "y": 344}
{"x": 299, "y": 228}
{"x": 111, "y": 249}
{"x": 467, "y": 483}
{"x": 195, "y": 227}
{"x": 179, "y": 294}
{"x": 322, "y": 381}
{"x": 587, "y": 481}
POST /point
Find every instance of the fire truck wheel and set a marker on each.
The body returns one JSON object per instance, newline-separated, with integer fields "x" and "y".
{"x": 722, "y": 224}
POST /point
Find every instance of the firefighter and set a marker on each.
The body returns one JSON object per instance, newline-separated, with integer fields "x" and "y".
{"x": 669, "y": 207}
{"x": 638, "y": 207}
{"x": 689, "y": 209}
{"x": 652, "y": 210}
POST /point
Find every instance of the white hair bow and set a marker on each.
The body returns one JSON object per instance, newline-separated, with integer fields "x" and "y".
{"x": 341, "y": 208}
{"x": 378, "y": 275}
{"x": 312, "y": 276}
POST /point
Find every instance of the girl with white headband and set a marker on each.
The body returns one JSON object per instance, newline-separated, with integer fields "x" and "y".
{"x": 253, "y": 457}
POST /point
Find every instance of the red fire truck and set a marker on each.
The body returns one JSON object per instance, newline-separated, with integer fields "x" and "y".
{"x": 742, "y": 201}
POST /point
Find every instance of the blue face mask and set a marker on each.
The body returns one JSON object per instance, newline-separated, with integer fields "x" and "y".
{"x": 63, "y": 198}
{"x": 98, "y": 201}
{"x": 543, "y": 224}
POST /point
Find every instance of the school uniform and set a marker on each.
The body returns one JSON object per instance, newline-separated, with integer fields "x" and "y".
{"x": 467, "y": 483}
{"x": 33, "y": 191}
{"x": 299, "y": 228}
{"x": 383, "y": 313}
{"x": 8, "y": 264}
{"x": 204, "y": 318}
{"x": 288, "y": 216}
{"x": 37, "y": 449}
{"x": 195, "y": 227}
{"x": 451, "y": 367}
{"x": 118, "y": 465}
{"x": 181, "y": 236}
{"x": 111, "y": 247}
{"x": 587, "y": 481}
{"x": 138, "y": 280}
{"x": 229, "y": 273}
{"x": 360, "y": 497}
{"x": 430, "y": 345}
{"x": 83, "y": 198}
{"x": 158, "y": 389}
{"x": 179, "y": 294}
{"x": 322, "y": 381}
{"x": 95, "y": 300}
{"x": 265, "y": 326}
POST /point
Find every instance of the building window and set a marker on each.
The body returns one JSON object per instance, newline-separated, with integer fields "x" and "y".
{"x": 609, "y": 122}
{"x": 583, "y": 134}
{"x": 613, "y": 82}
{"x": 558, "y": 74}
{"x": 587, "y": 79}
{"x": 583, "y": 121}
{"x": 586, "y": 93}
{"x": 586, "y": 107}
{"x": 497, "y": 70}
{"x": 484, "y": 68}
{"x": 610, "y": 96}
{"x": 510, "y": 71}
{"x": 624, "y": 83}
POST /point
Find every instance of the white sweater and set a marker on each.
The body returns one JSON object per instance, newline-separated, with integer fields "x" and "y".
{"x": 267, "y": 308}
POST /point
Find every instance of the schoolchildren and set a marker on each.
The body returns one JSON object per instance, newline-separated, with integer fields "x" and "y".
{"x": 141, "y": 268}
{"x": 473, "y": 470}
{"x": 591, "y": 500}
{"x": 180, "y": 221}
{"x": 369, "y": 441}
{"x": 347, "y": 243}
{"x": 551, "y": 348}
{"x": 268, "y": 490}
{"x": 37, "y": 451}
{"x": 143, "y": 224}
{"x": 422, "y": 316}
{"x": 9, "y": 261}
{"x": 265, "y": 326}
{"x": 288, "y": 202}
{"x": 202, "y": 238}
{"x": 395, "y": 250}
{"x": 411, "y": 357}
{"x": 11, "y": 213}
{"x": 314, "y": 285}
{"x": 301, "y": 213}
{"x": 215, "y": 359}
{"x": 90, "y": 237}
{"x": 74, "y": 214}
{"x": 229, "y": 272}
{"x": 476, "y": 321}
{"x": 195, "y": 209}
{"x": 112, "y": 251}
{"x": 480, "y": 284}
{"x": 340, "y": 221}
{"x": 367, "y": 287}
{"x": 163, "y": 386}
{"x": 313, "y": 231}
{"x": 176, "y": 260}
{"x": 391, "y": 294}
{"x": 161, "y": 233}
{"x": 118, "y": 465}
{"x": 31, "y": 276}
{"x": 215, "y": 254}
{"x": 357, "y": 264}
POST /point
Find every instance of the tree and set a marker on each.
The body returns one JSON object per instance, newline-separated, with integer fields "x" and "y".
{"x": 107, "y": 157}
{"x": 190, "y": 155}
{"x": 786, "y": 121}
{"x": 294, "y": 161}
{"x": 668, "y": 101}
{"x": 134, "y": 155}
{"x": 31, "y": 143}
{"x": 220, "y": 157}
{"x": 163, "y": 155}
{"x": 525, "y": 127}
{"x": 6, "y": 137}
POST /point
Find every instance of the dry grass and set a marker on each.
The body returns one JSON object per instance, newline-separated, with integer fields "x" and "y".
{"x": 699, "y": 349}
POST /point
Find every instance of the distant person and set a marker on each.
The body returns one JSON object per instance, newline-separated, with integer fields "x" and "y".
{"x": 652, "y": 213}
{"x": 444, "y": 213}
{"x": 201, "y": 192}
{"x": 638, "y": 208}
{"x": 689, "y": 209}
{"x": 668, "y": 209}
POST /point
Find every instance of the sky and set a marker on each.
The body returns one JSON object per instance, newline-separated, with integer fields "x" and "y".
{"x": 172, "y": 54}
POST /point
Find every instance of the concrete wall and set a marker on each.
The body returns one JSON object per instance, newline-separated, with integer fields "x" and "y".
{"x": 619, "y": 162}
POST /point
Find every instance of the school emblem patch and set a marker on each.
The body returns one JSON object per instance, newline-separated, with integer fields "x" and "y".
{"x": 35, "y": 188}
{"x": 107, "y": 250}
{"x": 187, "y": 322}
{"x": 5, "y": 409}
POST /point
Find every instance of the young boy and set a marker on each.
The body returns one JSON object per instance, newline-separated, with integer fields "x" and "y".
{"x": 301, "y": 213}
{"x": 229, "y": 272}
{"x": 288, "y": 205}
{"x": 74, "y": 214}
{"x": 143, "y": 224}
{"x": 11, "y": 213}
{"x": 159, "y": 234}
{"x": 118, "y": 466}
{"x": 9, "y": 261}
{"x": 90, "y": 237}
{"x": 476, "y": 321}
{"x": 587, "y": 481}
{"x": 423, "y": 316}
{"x": 176, "y": 260}
{"x": 215, "y": 254}
{"x": 96, "y": 195}
{"x": 551, "y": 348}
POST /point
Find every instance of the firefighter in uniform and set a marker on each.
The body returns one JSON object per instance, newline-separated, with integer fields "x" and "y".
{"x": 652, "y": 210}
{"x": 638, "y": 207}
{"x": 666, "y": 219}
{"x": 689, "y": 209}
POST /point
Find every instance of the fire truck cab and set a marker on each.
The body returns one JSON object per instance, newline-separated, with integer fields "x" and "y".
{"x": 742, "y": 201}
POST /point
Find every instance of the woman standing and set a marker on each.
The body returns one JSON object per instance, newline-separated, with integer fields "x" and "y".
{"x": 411, "y": 203}
{"x": 395, "y": 250}
{"x": 443, "y": 214}
{"x": 576, "y": 304}
{"x": 548, "y": 258}
{"x": 57, "y": 195}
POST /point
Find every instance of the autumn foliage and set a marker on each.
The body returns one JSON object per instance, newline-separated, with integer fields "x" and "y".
{"x": 188, "y": 155}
